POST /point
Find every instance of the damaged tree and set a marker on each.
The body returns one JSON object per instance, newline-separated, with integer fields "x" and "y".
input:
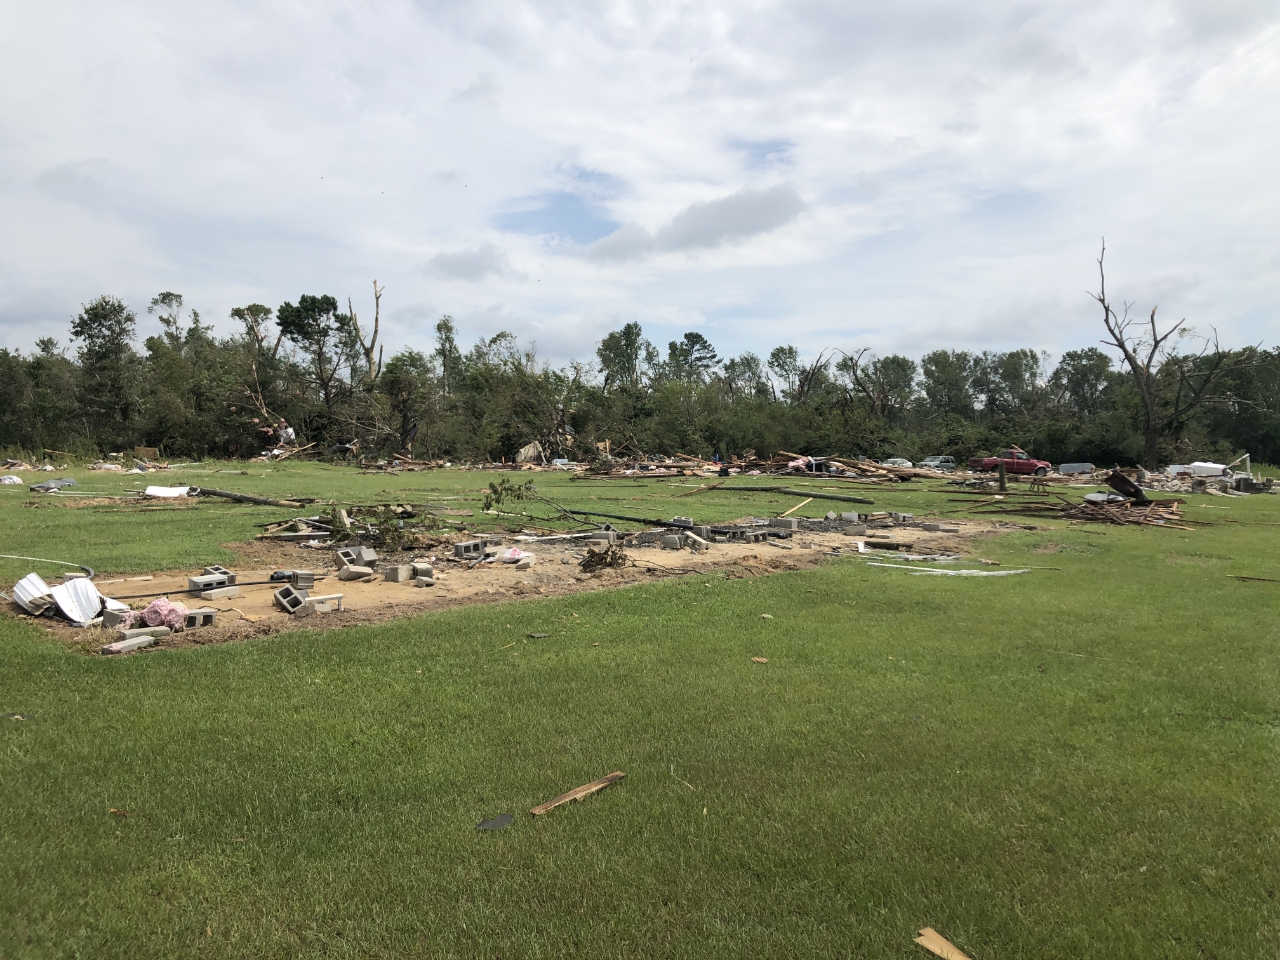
{"x": 1171, "y": 386}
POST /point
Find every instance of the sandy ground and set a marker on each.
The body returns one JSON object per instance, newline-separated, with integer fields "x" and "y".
{"x": 555, "y": 573}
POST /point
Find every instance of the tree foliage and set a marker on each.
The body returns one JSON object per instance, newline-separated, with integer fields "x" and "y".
{"x": 193, "y": 394}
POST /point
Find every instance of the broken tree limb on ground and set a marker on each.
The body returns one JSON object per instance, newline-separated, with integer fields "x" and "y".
{"x": 578, "y": 793}
{"x": 243, "y": 498}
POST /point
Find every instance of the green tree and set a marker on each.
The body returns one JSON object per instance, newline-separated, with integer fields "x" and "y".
{"x": 109, "y": 368}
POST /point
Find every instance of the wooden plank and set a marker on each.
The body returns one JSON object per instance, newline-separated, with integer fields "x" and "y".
{"x": 935, "y": 942}
{"x": 578, "y": 793}
{"x": 796, "y": 507}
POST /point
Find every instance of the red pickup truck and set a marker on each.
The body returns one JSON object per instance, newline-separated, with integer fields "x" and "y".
{"x": 1015, "y": 460}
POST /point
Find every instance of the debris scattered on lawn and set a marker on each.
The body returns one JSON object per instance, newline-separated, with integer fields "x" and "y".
{"x": 611, "y": 556}
{"x": 577, "y": 793}
{"x": 538, "y": 636}
{"x": 241, "y": 497}
{"x": 935, "y": 942}
{"x": 1254, "y": 579}
{"x": 497, "y": 823}
{"x": 77, "y": 600}
{"x": 766, "y": 616}
{"x": 164, "y": 493}
{"x": 51, "y": 486}
{"x": 915, "y": 571}
{"x": 759, "y": 659}
{"x": 161, "y": 612}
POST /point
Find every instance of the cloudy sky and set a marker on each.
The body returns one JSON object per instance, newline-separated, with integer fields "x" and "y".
{"x": 895, "y": 174}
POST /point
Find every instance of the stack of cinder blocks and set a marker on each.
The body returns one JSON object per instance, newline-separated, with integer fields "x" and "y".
{"x": 214, "y": 583}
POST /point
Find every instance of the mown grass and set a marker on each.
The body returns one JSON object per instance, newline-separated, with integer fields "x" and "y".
{"x": 1074, "y": 762}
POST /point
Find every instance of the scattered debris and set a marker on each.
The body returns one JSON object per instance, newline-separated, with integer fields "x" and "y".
{"x": 935, "y": 942}
{"x": 52, "y": 486}
{"x": 578, "y": 793}
{"x": 611, "y": 556}
{"x": 915, "y": 571}
{"x": 759, "y": 659}
{"x": 497, "y": 823}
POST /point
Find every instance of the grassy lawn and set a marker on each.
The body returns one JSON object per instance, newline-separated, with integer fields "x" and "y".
{"x": 1071, "y": 763}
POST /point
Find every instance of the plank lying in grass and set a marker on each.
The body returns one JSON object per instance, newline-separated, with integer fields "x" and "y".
{"x": 577, "y": 793}
{"x": 935, "y": 942}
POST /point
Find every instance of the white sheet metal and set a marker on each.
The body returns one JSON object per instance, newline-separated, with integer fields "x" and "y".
{"x": 32, "y": 594}
{"x": 166, "y": 491}
{"x": 78, "y": 600}
{"x": 1205, "y": 468}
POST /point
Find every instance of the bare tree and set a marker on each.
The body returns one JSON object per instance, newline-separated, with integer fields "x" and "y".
{"x": 373, "y": 371}
{"x": 1171, "y": 386}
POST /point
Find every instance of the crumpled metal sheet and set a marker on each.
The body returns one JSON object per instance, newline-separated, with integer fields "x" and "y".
{"x": 78, "y": 600}
{"x": 32, "y": 594}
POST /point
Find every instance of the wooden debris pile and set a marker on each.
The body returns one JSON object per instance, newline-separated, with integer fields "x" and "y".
{"x": 1154, "y": 513}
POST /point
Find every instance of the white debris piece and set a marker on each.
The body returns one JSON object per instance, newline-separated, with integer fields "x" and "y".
{"x": 165, "y": 492}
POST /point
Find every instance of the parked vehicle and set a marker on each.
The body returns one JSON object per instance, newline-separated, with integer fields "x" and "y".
{"x": 1015, "y": 460}
{"x": 897, "y": 462}
{"x": 938, "y": 463}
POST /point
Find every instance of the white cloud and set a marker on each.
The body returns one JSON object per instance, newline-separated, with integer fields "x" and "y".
{"x": 957, "y": 164}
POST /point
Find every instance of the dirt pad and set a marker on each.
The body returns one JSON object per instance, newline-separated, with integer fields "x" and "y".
{"x": 555, "y": 573}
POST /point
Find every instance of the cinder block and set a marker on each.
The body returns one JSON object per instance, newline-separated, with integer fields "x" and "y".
{"x": 856, "y": 530}
{"x": 221, "y": 593}
{"x": 355, "y": 573}
{"x": 672, "y": 542}
{"x": 849, "y": 516}
{"x": 701, "y": 531}
{"x": 365, "y": 557}
{"x": 607, "y": 535}
{"x": 400, "y": 573}
{"x": 524, "y": 563}
{"x": 598, "y": 545}
{"x": 469, "y": 550}
{"x": 112, "y": 618}
{"x": 154, "y": 632}
{"x": 128, "y": 646}
{"x": 696, "y": 543}
{"x": 345, "y": 557}
{"x": 290, "y": 599}
{"x": 785, "y": 523}
{"x": 302, "y": 579}
{"x": 832, "y": 515}
{"x": 214, "y": 570}
{"x": 208, "y": 581}
{"x": 200, "y": 617}
{"x": 424, "y": 570}
{"x": 902, "y": 517}
{"x": 424, "y": 581}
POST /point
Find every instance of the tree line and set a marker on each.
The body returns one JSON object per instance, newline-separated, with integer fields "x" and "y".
{"x": 1172, "y": 397}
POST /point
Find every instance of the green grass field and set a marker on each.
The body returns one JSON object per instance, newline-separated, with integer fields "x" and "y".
{"x": 1071, "y": 763}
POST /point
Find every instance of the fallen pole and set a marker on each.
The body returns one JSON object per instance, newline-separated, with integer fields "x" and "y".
{"x": 243, "y": 498}
{"x": 240, "y": 583}
{"x": 793, "y": 492}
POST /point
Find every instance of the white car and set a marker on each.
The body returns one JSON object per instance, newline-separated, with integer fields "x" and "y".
{"x": 896, "y": 462}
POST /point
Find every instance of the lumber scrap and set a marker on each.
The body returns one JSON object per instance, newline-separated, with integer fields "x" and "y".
{"x": 936, "y": 943}
{"x": 796, "y": 507}
{"x": 577, "y": 793}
